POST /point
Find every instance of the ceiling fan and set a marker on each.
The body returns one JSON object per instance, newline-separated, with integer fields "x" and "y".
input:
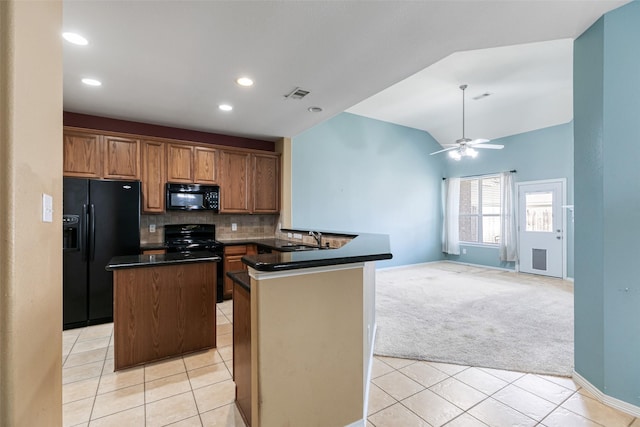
{"x": 465, "y": 147}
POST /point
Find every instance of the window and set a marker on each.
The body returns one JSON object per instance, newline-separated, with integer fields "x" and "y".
{"x": 480, "y": 210}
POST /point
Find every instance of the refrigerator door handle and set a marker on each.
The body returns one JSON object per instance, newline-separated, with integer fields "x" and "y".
{"x": 92, "y": 232}
{"x": 83, "y": 232}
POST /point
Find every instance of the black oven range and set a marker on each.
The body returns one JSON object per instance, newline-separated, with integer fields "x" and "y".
{"x": 188, "y": 238}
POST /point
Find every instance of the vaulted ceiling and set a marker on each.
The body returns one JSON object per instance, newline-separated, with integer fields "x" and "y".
{"x": 173, "y": 62}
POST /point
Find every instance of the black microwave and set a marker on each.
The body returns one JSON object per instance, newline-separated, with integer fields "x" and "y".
{"x": 193, "y": 197}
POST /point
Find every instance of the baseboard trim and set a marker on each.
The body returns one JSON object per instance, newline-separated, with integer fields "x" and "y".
{"x": 395, "y": 267}
{"x": 618, "y": 404}
{"x": 491, "y": 267}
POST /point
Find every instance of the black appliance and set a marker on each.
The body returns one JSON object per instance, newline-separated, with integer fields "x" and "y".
{"x": 101, "y": 219}
{"x": 191, "y": 197}
{"x": 187, "y": 238}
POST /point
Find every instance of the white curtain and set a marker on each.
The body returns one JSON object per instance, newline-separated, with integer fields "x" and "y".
{"x": 508, "y": 228}
{"x": 451, "y": 232}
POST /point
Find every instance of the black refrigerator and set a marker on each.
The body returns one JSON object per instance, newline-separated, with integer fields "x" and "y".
{"x": 101, "y": 219}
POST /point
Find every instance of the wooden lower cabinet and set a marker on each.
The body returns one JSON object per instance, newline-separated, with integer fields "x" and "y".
{"x": 233, "y": 262}
{"x": 154, "y": 251}
{"x": 242, "y": 350}
{"x": 163, "y": 311}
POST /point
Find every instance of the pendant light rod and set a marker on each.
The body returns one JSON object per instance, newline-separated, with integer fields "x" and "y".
{"x": 463, "y": 87}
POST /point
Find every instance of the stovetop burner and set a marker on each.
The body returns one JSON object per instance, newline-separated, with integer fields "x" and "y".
{"x": 183, "y": 237}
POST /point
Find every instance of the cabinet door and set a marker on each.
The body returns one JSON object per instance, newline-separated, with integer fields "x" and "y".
{"x": 179, "y": 163}
{"x": 122, "y": 158}
{"x": 234, "y": 183}
{"x": 153, "y": 176}
{"x": 82, "y": 154}
{"x": 205, "y": 165}
{"x": 232, "y": 262}
{"x": 242, "y": 349}
{"x": 266, "y": 183}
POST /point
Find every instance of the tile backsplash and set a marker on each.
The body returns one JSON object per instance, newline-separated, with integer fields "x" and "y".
{"x": 248, "y": 226}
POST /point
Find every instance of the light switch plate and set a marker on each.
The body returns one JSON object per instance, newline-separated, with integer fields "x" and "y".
{"x": 47, "y": 208}
{"x": 234, "y": 226}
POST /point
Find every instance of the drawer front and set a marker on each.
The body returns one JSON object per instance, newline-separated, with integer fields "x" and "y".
{"x": 235, "y": 250}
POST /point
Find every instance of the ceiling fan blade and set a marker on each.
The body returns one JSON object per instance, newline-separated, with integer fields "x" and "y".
{"x": 490, "y": 146}
{"x": 478, "y": 141}
{"x": 442, "y": 151}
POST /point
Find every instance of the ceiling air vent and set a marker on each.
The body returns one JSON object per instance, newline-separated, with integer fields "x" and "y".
{"x": 297, "y": 93}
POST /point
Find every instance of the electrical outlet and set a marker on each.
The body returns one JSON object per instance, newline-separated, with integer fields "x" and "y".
{"x": 464, "y": 251}
{"x": 152, "y": 228}
{"x": 289, "y": 235}
{"x": 234, "y": 226}
{"x": 297, "y": 236}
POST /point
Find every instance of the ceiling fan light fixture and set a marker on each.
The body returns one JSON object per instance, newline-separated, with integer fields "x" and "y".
{"x": 464, "y": 147}
{"x": 455, "y": 155}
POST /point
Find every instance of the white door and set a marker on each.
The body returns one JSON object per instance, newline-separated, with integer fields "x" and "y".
{"x": 540, "y": 224}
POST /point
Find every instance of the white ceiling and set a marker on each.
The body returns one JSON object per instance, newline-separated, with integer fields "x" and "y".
{"x": 173, "y": 62}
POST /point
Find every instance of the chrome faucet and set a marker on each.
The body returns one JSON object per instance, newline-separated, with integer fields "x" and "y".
{"x": 316, "y": 235}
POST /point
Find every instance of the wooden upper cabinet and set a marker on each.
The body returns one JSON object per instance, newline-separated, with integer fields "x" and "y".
{"x": 234, "y": 182}
{"x": 153, "y": 176}
{"x": 205, "y": 165}
{"x": 266, "y": 183}
{"x": 82, "y": 154}
{"x": 179, "y": 163}
{"x": 121, "y": 158}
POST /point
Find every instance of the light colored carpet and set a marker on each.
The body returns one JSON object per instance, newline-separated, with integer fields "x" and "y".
{"x": 447, "y": 312}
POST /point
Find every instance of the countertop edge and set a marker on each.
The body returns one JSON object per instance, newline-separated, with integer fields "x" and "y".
{"x": 146, "y": 261}
{"x": 364, "y": 247}
{"x": 241, "y": 278}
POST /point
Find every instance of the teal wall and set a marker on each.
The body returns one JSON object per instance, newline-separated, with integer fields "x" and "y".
{"x": 607, "y": 200}
{"x": 541, "y": 154}
{"x": 352, "y": 173}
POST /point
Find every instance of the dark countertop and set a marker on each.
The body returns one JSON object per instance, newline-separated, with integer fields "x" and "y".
{"x": 241, "y": 278}
{"x": 271, "y": 243}
{"x": 137, "y": 261}
{"x": 363, "y": 248}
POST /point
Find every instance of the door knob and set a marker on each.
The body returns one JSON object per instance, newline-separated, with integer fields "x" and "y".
{"x": 558, "y": 237}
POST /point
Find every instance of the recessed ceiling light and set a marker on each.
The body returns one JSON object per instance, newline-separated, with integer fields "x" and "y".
{"x": 225, "y": 107}
{"x": 244, "y": 81}
{"x": 92, "y": 82}
{"x": 75, "y": 38}
{"x": 314, "y": 109}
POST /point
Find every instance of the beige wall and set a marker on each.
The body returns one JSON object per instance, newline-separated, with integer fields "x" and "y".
{"x": 30, "y": 250}
{"x": 284, "y": 148}
{"x": 307, "y": 340}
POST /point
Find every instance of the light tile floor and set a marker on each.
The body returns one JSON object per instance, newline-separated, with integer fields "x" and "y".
{"x": 197, "y": 390}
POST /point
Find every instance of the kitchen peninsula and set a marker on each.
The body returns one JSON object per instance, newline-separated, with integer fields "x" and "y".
{"x": 164, "y": 306}
{"x": 303, "y": 334}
